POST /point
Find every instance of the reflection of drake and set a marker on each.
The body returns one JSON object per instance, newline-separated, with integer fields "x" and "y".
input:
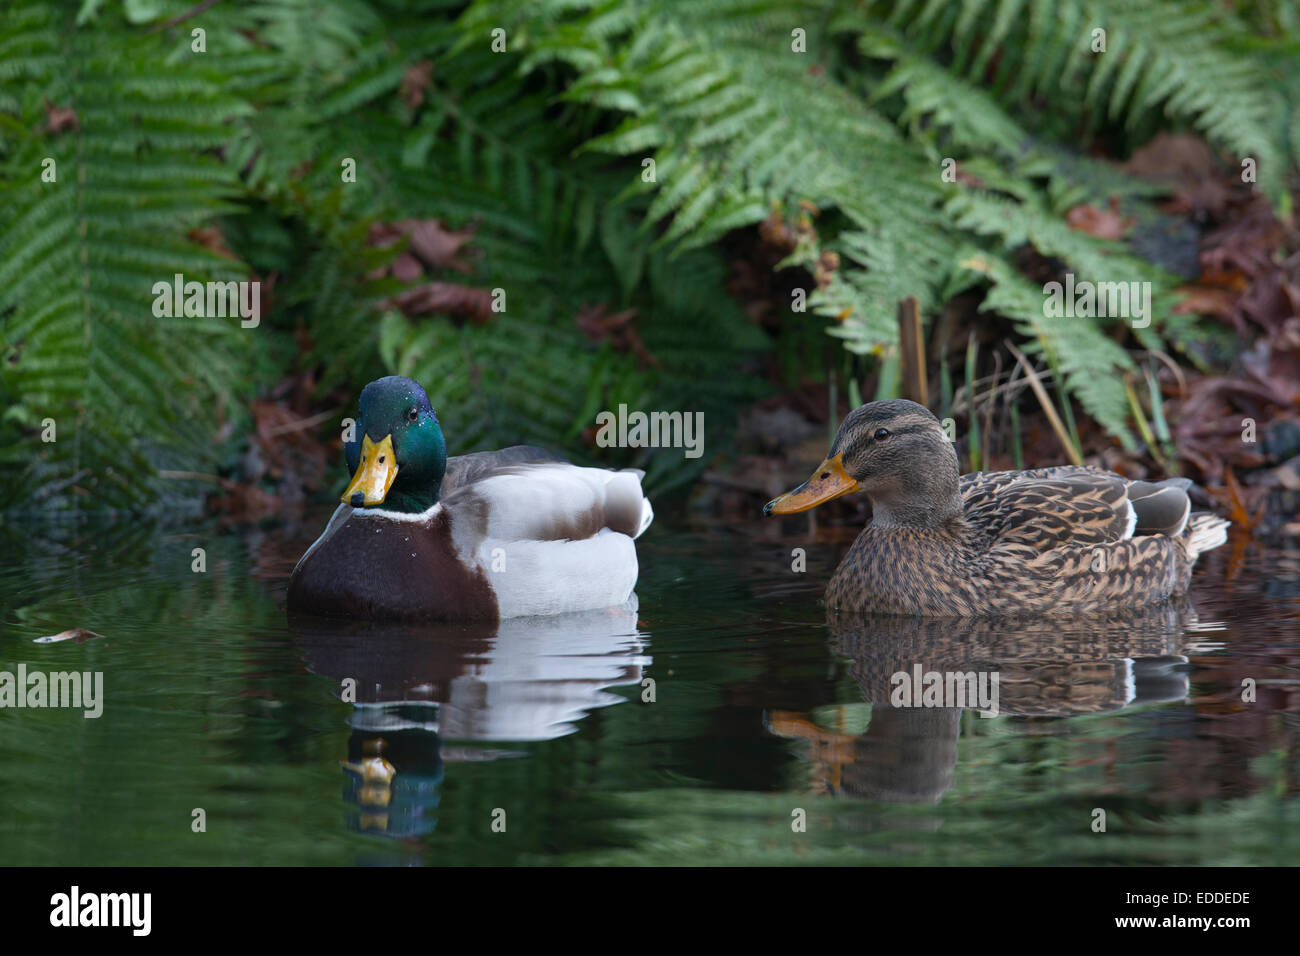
{"x": 1055, "y": 669}
{"x": 526, "y": 679}
{"x": 379, "y": 798}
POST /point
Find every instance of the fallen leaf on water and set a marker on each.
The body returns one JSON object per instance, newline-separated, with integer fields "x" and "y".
{"x": 78, "y": 634}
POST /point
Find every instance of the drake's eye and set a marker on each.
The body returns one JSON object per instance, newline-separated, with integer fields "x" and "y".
{"x": 881, "y": 434}
{"x": 413, "y": 415}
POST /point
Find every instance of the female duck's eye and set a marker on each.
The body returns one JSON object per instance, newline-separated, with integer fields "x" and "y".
{"x": 881, "y": 434}
{"x": 413, "y": 415}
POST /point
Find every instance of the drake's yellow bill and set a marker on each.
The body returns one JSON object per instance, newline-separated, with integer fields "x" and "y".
{"x": 376, "y": 473}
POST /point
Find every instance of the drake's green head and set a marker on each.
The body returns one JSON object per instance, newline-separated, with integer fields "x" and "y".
{"x": 397, "y": 456}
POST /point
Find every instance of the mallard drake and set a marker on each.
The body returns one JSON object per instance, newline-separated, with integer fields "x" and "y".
{"x": 1046, "y": 541}
{"x": 479, "y": 537}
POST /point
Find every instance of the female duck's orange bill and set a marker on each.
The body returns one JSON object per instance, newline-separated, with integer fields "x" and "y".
{"x": 375, "y": 473}
{"x": 830, "y": 480}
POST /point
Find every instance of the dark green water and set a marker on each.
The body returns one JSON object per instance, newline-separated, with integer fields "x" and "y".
{"x": 762, "y": 716}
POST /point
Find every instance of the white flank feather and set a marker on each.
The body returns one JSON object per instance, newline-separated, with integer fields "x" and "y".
{"x": 1208, "y": 532}
{"x": 525, "y": 506}
{"x": 555, "y": 577}
{"x": 1182, "y": 525}
{"x": 532, "y": 571}
{"x": 1132, "y": 519}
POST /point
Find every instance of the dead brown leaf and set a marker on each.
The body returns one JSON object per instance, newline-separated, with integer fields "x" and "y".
{"x": 1207, "y": 300}
{"x": 615, "y": 328}
{"x": 407, "y": 268}
{"x": 210, "y": 238}
{"x": 59, "y": 118}
{"x": 775, "y": 230}
{"x": 447, "y": 298}
{"x": 431, "y": 241}
{"x": 1100, "y": 223}
{"x": 1190, "y": 168}
{"x": 414, "y": 82}
{"x": 1236, "y": 499}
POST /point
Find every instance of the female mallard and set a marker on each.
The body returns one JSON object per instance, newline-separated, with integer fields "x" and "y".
{"x": 478, "y": 537}
{"x": 1051, "y": 540}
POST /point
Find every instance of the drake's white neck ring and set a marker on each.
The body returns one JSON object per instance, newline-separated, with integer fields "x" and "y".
{"x": 419, "y": 518}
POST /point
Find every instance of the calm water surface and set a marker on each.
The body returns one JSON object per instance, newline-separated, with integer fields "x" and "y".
{"x": 314, "y": 743}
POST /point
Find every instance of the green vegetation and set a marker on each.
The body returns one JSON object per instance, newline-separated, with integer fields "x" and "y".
{"x": 829, "y": 120}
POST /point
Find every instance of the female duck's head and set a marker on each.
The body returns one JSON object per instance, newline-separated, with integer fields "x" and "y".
{"x": 896, "y": 451}
{"x": 397, "y": 455}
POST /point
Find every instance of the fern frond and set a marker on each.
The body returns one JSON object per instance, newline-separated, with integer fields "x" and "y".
{"x": 1091, "y": 362}
{"x": 130, "y": 394}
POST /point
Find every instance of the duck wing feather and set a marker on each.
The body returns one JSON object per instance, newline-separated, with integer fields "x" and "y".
{"x": 549, "y": 501}
{"x": 1050, "y": 508}
{"x": 464, "y": 470}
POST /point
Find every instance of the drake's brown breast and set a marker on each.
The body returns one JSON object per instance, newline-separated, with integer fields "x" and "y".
{"x": 377, "y": 568}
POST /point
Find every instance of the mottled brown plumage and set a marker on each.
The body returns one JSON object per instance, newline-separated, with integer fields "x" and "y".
{"x": 1049, "y": 541}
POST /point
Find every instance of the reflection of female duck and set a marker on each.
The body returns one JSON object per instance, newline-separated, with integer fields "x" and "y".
{"x": 1055, "y": 669}
{"x": 909, "y": 754}
{"x": 1055, "y": 540}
